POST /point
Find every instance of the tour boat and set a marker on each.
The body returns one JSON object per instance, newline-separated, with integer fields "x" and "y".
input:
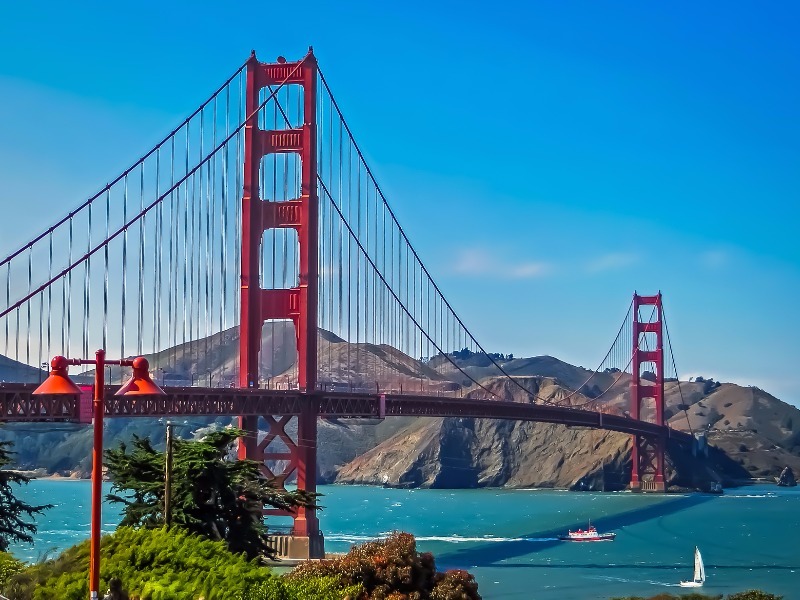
{"x": 587, "y": 535}
{"x": 699, "y": 571}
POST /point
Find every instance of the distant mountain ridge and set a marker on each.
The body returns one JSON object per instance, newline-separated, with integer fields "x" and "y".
{"x": 753, "y": 434}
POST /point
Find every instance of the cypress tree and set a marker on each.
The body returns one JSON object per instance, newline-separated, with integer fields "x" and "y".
{"x": 214, "y": 497}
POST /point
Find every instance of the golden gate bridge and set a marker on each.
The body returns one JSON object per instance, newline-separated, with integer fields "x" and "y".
{"x": 253, "y": 248}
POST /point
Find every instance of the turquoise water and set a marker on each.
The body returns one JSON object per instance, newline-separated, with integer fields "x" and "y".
{"x": 748, "y": 536}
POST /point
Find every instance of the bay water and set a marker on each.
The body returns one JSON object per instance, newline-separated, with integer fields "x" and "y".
{"x": 508, "y": 538}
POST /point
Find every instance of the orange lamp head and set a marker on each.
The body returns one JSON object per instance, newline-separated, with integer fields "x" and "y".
{"x": 140, "y": 384}
{"x": 58, "y": 382}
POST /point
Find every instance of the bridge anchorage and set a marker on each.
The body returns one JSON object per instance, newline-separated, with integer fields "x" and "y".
{"x": 369, "y": 332}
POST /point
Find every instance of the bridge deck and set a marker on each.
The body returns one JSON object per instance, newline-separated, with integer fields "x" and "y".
{"x": 17, "y": 403}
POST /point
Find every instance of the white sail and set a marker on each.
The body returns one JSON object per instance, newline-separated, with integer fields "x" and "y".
{"x": 699, "y": 577}
{"x": 699, "y": 569}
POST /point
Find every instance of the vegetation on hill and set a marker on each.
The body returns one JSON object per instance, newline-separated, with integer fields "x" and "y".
{"x": 213, "y": 497}
{"x": 162, "y": 564}
{"x": 748, "y": 595}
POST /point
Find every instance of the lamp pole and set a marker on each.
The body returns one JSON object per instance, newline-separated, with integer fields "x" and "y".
{"x": 59, "y": 383}
{"x": 97, "y": 474}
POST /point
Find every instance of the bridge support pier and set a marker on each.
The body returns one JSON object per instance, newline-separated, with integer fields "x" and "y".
{"x": 648, "y": 465}
{"x": 298, "y": 457}
{"x": 647, "y": 386}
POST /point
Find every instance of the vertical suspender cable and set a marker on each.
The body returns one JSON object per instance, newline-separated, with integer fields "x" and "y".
{"x": 172, "y": 269}
{"x": 330, "y": 246}
{"x": 349, "y": 262}
{"x": 69, "y": 291}
{"x": 359, "y": 303}
{"x": 105, "y": 271}
{"x": 124, "y": 263}
{"x": 205, "y": 269}
{"x": 8, "y": 300}
{"x": 49, "y": 294}
{"x": 213, "y": 217}
{"x": 87, "y": 285}
{"x": 223, "y": 305}
{"x": 194, "y": 321}
{"x": 185, "y": 295}
{"x": 28, "y": 307}
{"x": 237, "y": 215}
{"x": 157, "y": 268}
{"x": 140, "y": 299}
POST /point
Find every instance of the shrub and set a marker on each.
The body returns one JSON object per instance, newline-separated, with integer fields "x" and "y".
{"x": 748, "y": 595}
{"x": 311, "y": 588}
{"x": 392, "y": 569}
{"x": 754, "y": 595}
{"x": 9, "y": 566}
{"x": 153, "y": 564}
{"x": 455, "y": 584}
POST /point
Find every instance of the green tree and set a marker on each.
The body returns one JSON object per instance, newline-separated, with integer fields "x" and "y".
{"x": 211, "y": 496}
{"x": 13, "y": 512}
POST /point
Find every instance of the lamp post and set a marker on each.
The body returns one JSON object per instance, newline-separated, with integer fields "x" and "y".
{"x": 59, "y": 383}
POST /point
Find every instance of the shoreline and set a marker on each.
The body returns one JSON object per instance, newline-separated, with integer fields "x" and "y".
{"x": 40, "y": 474}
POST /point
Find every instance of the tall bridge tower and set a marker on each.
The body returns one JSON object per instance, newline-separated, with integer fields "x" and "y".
{"x": 647, "y": 387}
{"x": 297, "y": 303}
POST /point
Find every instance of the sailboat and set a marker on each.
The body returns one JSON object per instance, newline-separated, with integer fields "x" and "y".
{"x": 699, "y": 571}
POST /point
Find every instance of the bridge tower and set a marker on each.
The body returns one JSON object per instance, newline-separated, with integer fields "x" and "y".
{"x": 648, "y": 358}
{"x": 298, "y": 303}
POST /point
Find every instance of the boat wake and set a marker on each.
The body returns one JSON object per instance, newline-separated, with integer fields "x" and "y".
{"x": 449, "y": 539}
{"x": 627, "y": 580}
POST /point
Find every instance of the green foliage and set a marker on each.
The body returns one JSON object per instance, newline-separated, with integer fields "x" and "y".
{"x": 13, "y": 526}
{"x": 392, "y": 569}
{"x": 9, "y": 566}
{"x": 211, "y": 496}
{"x": 748, "y": 595}
{"x": 691, "y": 596}
{"x": 754, "y": 595}
{"x": 311, "y": 588}
{"x": 153, "y": 564}
{"x": 455, "y": 584}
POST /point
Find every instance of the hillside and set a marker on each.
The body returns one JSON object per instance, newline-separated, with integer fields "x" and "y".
{"x": 752, "y": 433}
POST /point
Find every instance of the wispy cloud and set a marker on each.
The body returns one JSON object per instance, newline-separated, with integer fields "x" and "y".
{"x": 613, "y": 261}
{"x": 478, "y": 262}
{"x": 714, "y": 259}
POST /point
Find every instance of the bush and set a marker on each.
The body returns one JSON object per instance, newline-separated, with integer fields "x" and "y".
{"x": 754, "y": 595}
{"x": 392, "y": 569}
{"x": 455, "y": 584}
{"x": 9, "y": 566}
{"x": 312, "y": 588}
{"x": 748, "y": 595}
{"x": 153, "y": 564}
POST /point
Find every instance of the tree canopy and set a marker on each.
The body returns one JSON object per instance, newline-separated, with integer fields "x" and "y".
{"x": 218, "y": 498}
{"x": 13, "y": 512}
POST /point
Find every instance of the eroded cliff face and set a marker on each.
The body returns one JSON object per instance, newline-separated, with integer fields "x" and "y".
{"x": 456, "y": 452}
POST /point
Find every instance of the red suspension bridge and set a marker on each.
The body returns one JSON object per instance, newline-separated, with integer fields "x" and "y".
{"x": 253, "y": 258}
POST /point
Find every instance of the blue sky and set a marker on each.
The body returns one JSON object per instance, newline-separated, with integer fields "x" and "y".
{"x": 546, "y": 158}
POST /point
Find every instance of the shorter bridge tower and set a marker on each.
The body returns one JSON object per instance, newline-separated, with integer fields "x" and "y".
{"x": 647, "y": 388}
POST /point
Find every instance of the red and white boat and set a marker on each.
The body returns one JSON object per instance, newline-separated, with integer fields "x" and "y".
{"x": 587, "y": 535}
